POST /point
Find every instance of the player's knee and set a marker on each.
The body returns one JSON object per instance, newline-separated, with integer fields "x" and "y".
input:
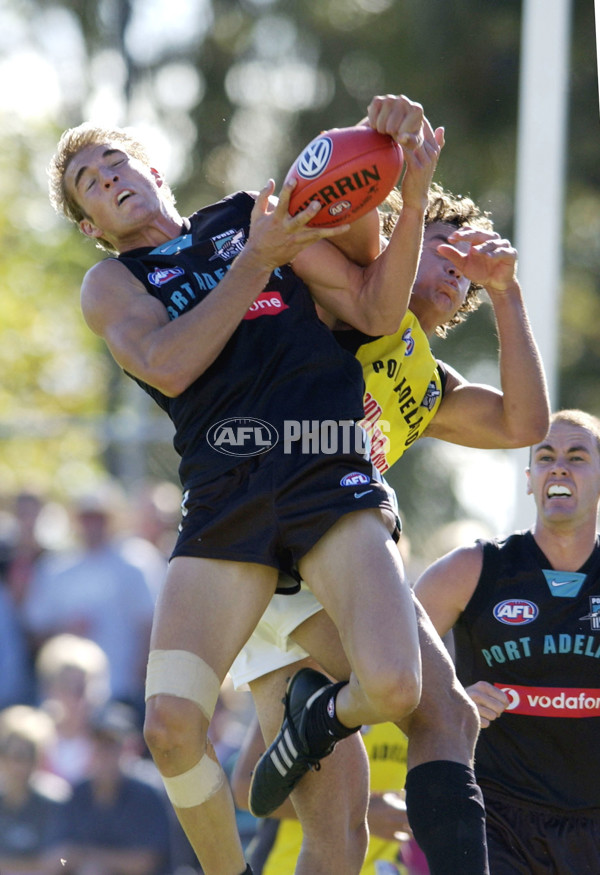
{"x": 170, "y": 724}
{"x": 181, "y": 692}
{"x": 447, "y": 713}
{"x": 395, "y": 693}
{"x": 458, "y": 714}
{"x": 466, "y": 715}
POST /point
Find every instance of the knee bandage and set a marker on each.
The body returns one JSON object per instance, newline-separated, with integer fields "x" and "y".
{"x": 196, "y": 785}
{"x": 182, "y": 673}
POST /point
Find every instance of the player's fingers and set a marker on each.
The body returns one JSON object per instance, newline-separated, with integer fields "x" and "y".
{"x": 492, "y": 697}
{"x": 399, "y": 117}
{"x": 304, "y": 216}
{"x": 473, "y": 235}
{"x": 285, "y": 194}
{"x": 262, "y": 198}
{"x": 457, "y": 254}
{"x": 428, "y": 134}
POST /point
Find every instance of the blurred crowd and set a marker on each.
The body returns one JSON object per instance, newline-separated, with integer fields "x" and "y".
{"x": 79, "y": 793}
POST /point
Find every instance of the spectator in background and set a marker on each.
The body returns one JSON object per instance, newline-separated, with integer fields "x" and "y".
{"x": 22, "y": 551}
{"x": 154, "y": 515}
{"x": 16, "y": 684}
{"x": 96, "y": 593}
{"x": 73, "y": 680}
{"x": 30, "y": 799}
{"x": 114, "y": 823}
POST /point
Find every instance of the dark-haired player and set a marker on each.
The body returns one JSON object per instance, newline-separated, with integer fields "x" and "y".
{"x": 408, "y": 394}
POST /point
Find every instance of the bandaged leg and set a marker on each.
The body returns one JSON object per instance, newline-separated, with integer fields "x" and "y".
{"x": 200, "y": 794}
{"x": 183, "y": 674}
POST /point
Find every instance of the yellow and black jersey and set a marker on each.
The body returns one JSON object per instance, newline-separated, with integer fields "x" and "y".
{"x": 404, "y": 385}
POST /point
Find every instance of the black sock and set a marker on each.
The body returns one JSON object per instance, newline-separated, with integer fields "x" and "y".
{"x": 447, "y": 816}
{"x": 323, "y": 728}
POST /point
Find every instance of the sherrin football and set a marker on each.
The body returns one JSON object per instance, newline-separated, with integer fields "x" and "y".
{"x": 348, "y": 170}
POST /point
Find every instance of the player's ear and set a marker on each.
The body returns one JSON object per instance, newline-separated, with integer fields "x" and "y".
{"x": 89, "y": 229}
{"x": 157, "y": 176}
{"x": 529, "y": 490}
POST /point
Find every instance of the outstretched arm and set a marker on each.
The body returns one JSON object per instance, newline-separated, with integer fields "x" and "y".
{"x": 476, "y": 415}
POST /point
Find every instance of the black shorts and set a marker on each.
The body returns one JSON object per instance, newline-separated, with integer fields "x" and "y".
{"x": 272, "y": 509}
{"x": 527, "y": 839}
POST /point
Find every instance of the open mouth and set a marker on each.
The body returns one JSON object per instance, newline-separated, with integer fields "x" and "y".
{"x": 123, "y": 195}
{"x": 559, "y": 491}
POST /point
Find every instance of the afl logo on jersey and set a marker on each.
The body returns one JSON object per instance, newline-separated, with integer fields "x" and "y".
{"x": 516, "y": 612}
{"x": 409, "y": 341}
{"x": 162, "y": 275}
{"x": 315, "y": 158}
{"x": 357, "y": 478}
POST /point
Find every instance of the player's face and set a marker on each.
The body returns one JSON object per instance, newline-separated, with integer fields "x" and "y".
{"x": 115, "y": 191}
{"x": 440, "y": 288}
{"x": 564, "y": 476}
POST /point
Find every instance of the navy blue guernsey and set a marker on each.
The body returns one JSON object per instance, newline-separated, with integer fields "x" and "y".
{"x": 281, "y": 363}
{"x": 534, "y": 631}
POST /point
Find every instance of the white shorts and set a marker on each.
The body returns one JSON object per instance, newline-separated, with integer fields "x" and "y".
{"x": 269, "y": 647}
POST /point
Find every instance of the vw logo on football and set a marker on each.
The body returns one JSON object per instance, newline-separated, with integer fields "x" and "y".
{"x": 242, "y": 436}
{"x": 315, "y": 158}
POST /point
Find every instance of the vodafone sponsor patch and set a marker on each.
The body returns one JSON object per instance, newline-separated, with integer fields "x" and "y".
{"x": 552, "y": 701}
{"x": 267, "y": 304}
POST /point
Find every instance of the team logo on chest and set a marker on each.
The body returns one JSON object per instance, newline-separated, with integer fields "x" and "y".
{"x": 431, "y": 396}
{"x": 594, "y": 614}
{"x": 228, "y": 244}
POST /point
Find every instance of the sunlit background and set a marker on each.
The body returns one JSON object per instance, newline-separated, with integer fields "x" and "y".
{"x": 225, "y": 94}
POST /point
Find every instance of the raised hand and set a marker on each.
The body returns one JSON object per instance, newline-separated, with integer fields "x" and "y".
{"x": 399, "y": 117}
{"x": 421, "y": 163}
{"x": 275, "y": 236}
{"x": 483, "y": 257}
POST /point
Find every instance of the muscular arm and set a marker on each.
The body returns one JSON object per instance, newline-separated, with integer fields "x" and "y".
{"x": 445, "y": 587}
{"x": 170, "y": 355}
{"x": 476, "y": 415}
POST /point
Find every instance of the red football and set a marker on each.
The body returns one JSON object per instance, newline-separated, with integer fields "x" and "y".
{"x": 348, "y": 170}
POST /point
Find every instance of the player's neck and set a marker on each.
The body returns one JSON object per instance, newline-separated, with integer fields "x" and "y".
{"x": 566, "y": 547}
